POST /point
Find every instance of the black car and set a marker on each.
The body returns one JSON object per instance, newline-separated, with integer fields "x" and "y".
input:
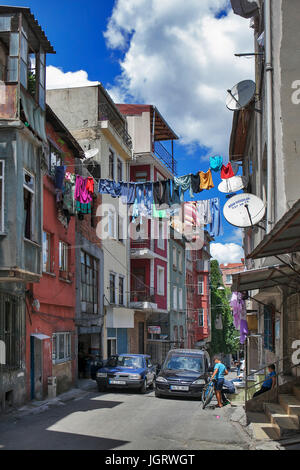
{"x": 184, "y": 373}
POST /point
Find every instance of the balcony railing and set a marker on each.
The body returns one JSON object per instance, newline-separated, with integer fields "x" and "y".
{"x": 168, "y": 160}
{"x": 136, "y": 244}
{"x": 106, "y": 113}
{"x": 145, "y": 295}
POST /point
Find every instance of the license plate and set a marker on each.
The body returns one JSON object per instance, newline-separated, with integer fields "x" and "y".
{"x": 117, "y": 382}
{"x": 180, "y": 388}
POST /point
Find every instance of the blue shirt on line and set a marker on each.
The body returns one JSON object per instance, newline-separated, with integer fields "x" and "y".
{"x": 221, "y": 371}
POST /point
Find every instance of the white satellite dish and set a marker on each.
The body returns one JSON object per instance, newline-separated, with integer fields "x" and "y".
{"x": 234, "y": 184}
{"x": 244, "y": 210}
{"x": 91, "y": 153}
{"x": 240, "y": 95}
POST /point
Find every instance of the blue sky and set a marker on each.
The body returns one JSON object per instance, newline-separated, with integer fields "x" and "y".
{"x": 76, "y": 27}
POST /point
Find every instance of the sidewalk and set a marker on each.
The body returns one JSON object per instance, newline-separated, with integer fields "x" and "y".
{"x": 84, "y": 386}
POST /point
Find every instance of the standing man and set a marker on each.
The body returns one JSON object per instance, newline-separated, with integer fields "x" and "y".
{"x": 219, "y": 373}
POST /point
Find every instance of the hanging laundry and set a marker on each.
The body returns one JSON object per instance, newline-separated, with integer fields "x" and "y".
{"x": 90, "y": 185}
{"x": 216, "y": 162}
{"x": 149, "y": 198}
{"x": 83, "y": 208}
{"x": 216, "y": 226}
{"x": 109, "y": 187}
{"x": 174, "y": 195}
{"x": 69, "y": 195}
{"x": 243, "y": 331}
{"x": 191, "y": 214}
{"x": 195, "y": 181}
{"x": 204, "y": 212}
{"x": 161, "y": 193}
{"x": 229, "y": 171}
{"x": 206, "y": 181}
{"x": 82, "y": 195}
{"x": 159, "y": 214}
{"x": 127, "y": 192}
{"x": 59, "y": 177}
{"x": 185, "y": 183}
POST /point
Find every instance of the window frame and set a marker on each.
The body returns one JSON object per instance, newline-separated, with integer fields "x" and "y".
{"x": 65, "y": 253}
{"x": 174, "y": 258}
{"x": 111, "y": 165}
{"x": 201, "y": 315}
{"x": 200, "y": 283}
{"x": 160, "y": 239}
{"x": 112, "y": 276}
{"x": 89, "y": 282}
{"x": 180, "y": 259}
{"x": 32, "y": 193}
{"x": 122, "y": 292}
{"x": 180, "y": 298}
{"x": 175, "y": 298}
{"x": 119, "y": 169}
{"x": 160, "y": 269}
{"x": 67, "y": 338}
{"x": 49, "y": 252}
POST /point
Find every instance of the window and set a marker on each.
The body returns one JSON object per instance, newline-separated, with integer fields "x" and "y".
{"x": 180, "y": 299}
{"x": 200, "y": 285}
{"x": 175, "y": 333}
{"x": 228, "y": 279}
{"x": 269, "y": 327}
{"x": 180, "y": 261}
{"x": 121, "y": 290}
{"x": 112, "y": 224}
{"x": 111, "y": 347}
{"x": 121, "y": 235}
{"x": 112, "y": 288}
{"x": 160, "y": 280}
{"x": 161, "y": 241}
{"x": 175, "y": 297}
{"x": 174, "y": 258}
{"x": 89, "y": 283}
{"x": 47, "y": 268}
{"x": 55, "y": 159}
{"x": 29, "y": 197}
{"x": 201, "y": 318}
{"x": 120, "y": 170}
{"x": 141, "y": 176}
{"x": 9, "y": 330}
{"x": 61, "y": 347}
{"x": 2, "y": 195}
{"x": 63, "y": 257}
{"x": 111, "y": 165}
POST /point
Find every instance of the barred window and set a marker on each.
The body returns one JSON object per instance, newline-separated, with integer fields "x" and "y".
{"x": 61, "y": 347}
{"x": 10, "y": 331}
{"x": 89, "y": 283}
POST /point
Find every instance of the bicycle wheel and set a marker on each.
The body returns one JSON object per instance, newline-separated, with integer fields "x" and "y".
{"x": 207, "y": 395}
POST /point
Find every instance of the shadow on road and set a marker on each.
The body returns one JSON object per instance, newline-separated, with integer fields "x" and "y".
{"x": 32, "y": 432}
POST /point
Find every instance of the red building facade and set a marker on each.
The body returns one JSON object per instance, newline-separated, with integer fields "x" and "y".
{"x": 50, "y": 320}
{"x": 198, "y": 295}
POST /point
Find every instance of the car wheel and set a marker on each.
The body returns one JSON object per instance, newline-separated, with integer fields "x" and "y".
{"x": 143, "y": 388}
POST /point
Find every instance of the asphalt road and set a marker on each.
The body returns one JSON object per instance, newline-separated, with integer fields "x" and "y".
{"x": 122, "y": 421}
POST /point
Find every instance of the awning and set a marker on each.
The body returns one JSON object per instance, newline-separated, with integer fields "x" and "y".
{"x": 40, "y": 336}
{"x": 284, "y": 237}
{"x": 265, "y": 278}
{"x": 245, "y": 8}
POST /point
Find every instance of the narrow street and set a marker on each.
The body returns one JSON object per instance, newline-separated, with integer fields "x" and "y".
{"x": 122, "y": 421}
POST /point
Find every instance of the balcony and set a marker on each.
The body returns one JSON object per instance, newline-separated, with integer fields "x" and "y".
{"x": 164, "y": 155}
{"x": 143, "y": 299}
{"x": 107, "y": 113}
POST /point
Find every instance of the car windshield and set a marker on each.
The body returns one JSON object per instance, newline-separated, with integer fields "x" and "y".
{"x": 130, "y": 361}
{"x": 189, "y": 363}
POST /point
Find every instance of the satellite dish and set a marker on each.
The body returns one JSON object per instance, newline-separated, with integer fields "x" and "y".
{"x": 234, "y": 184}
{"x": 244, "y": 210}
{"x": 91, "y": 153}
{"x": 240, "y": 95}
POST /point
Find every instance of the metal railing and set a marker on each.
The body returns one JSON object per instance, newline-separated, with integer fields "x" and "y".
{"x": 144, "y": 295}
{"x": 107, "y": 113}
{"x": 140, "y": 244}
{"x": 285, "y": 371}
{"x": 168, "y": 160}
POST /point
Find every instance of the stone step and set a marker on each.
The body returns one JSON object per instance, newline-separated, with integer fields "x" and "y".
{"x": 296, "y": 391}
{"x": 284, "y": 425}
{"x": 291, "y": 406}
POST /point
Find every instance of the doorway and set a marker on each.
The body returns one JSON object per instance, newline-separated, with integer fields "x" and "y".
{"x": 141, "y": 338}
{"x": 36, "y": 368}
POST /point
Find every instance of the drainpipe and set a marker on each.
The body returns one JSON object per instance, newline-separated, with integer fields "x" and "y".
{"x": 269, "y": 106}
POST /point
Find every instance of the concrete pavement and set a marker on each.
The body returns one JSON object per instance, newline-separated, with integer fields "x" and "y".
{"x": 90, "y": 420}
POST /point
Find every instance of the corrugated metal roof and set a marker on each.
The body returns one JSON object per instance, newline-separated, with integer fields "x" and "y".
{"x": 283, "y": 239}
{"x": 264, "y": 278}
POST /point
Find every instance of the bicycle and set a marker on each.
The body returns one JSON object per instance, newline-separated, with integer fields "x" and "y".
{"x": 207, "y": 394}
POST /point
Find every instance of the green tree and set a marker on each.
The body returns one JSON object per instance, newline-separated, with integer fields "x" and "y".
{"x": 224, "y": 341}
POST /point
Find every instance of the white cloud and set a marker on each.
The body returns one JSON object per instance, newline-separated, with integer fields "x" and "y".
{"x": 227, "y": 252}
{"x": 180, "y": 57}
{"x": 57, "y": 78}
